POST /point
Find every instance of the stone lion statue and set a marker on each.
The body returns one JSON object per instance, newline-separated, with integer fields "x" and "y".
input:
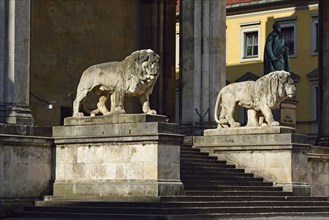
{"x": 259, "y": 97}
{"x": 134, "y": 76}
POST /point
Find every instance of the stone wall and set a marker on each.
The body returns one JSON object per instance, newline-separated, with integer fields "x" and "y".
{"x": 25, "y": 166}
{"x": 69, "y": 36}
{"x": 318, "y": 171}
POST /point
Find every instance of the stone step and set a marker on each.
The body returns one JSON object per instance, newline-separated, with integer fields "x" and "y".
{"x": 244, "y": 198}
{"x": 173, "y": 204}
{"x": 247, "y": 177}
{"x": 188, "y": 165}
{"x": 213, "y": 171}
{"x": 294, "y": 215}
{"x": 235, "y": 193}
{"x": 212, "y": 175}
{"x": 176, "y": 210}
{"x": 205, "y": 166}
{"x": 192, "y": 152}
{"x": 223, "y": 188}
{"x": 197, "y": 156}
{"x": 201, "y": 182}
{"x": 71, "y": 216}
{"x": 189, "y": 148}
{"x": 201, "y": 160}
{"x": 186, "y": 198}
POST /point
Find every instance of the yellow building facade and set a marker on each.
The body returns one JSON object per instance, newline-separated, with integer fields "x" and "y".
{"x": 245, "y": 39}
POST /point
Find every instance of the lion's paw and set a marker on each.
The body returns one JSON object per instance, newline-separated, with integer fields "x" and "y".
{"x": 78, "y": 114}
{"x": 274, "y": 123}
{"x": 151, "y": 112}
{"x": 118, "y": 111}
{"x": 235, "y": 124}
{"x": 222, "y": 126}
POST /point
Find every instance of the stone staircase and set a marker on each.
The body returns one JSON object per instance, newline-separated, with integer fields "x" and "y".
{"x": 213, "y": 190}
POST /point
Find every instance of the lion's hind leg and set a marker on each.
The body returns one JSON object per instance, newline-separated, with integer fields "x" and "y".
{"x": 101, "y": 105}
{"x": 81, "y": 94}
{"x": 229, "y": 110}
{"x": 117, "y": 102}
{"x": 222, "y": 122}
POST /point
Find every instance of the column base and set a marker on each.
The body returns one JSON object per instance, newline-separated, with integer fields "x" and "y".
{"x": 322, "y": 141}
{"x": 16, "y": 114}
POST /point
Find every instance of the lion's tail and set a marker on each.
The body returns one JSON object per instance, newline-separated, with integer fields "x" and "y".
{"x": 218, "y": 101}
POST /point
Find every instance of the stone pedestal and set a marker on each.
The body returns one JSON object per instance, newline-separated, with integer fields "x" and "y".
{"x": 275, "y": 153}
{"x": 288, "y": 113}
{"x": 136, "y": 155}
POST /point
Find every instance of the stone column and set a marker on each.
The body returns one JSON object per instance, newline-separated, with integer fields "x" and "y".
{"x": 203, "y": 71}
{"x": 158, "y": 33}
{"x": 323, "y": 113}
{"x": 14, "y": 62}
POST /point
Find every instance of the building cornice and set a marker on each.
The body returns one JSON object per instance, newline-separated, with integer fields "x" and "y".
{"x": 255, "y": 6}
{"x": 270, "y": 11}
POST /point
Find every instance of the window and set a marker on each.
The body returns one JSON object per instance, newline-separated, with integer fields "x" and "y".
{"x": 288, "y": 35}
{"x": 250, "y": 44}
{"x": 288, "y": 31}
{"x": 315, "y": 36}
{"x": 314, "y": 78}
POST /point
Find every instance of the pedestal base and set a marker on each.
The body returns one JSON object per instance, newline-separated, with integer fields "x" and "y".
{"x": 118, "y": 159}
{"x": 118, "y": 188}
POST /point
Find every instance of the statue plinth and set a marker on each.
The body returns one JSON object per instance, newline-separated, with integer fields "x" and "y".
{"x": 288, "y": 113}
{"x": 129, "y": 155}
{"x": 249, "y": 130}
{"x": 115, "y": 118}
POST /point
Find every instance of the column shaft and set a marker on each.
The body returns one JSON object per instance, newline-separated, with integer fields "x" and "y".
{"x": 323, "y": 136}
{"x": 15, "y": 62}
{"x": 202, "y": 66}
{"x": 158, "y": 33}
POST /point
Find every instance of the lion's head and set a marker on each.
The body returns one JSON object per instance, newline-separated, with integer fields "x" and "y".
{"x": 143, "y": 70}
{"x": 145, "y": 64}
{"x": 279, "y": 87}
{"x": 150, "y": 65}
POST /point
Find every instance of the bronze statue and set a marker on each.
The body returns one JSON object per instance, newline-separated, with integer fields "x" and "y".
{"x": 276, "y": 54}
